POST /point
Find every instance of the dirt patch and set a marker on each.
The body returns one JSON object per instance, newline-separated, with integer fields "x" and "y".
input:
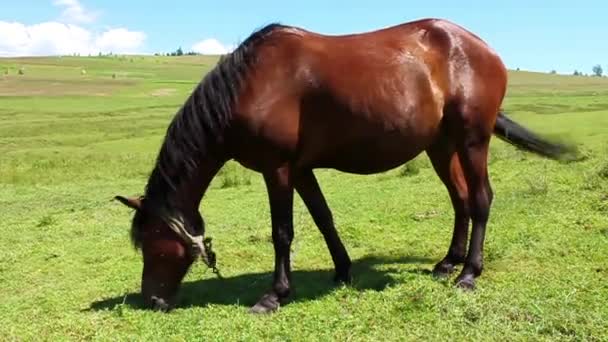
{"x": 163, "y": 92}
{"x": 15, "y": 86}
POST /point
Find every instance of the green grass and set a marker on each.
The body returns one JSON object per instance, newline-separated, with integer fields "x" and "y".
{"x": 70, "y": 142}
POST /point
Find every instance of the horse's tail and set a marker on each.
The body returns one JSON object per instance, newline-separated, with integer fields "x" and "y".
{"x": 521, "y": 137}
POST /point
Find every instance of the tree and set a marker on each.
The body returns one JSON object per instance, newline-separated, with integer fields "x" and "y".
{"x": 598, "y": 71}
{"x": 577, "y": 73}
{"x": 179, "y": 52}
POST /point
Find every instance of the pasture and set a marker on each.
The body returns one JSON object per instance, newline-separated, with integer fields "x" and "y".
{"x": 71, "y": 140}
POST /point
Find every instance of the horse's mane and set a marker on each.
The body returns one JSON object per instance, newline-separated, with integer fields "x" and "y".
{"x": 199, "y": 124}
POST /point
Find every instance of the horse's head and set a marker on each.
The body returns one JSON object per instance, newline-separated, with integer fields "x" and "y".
{"x": 168, "y": 250}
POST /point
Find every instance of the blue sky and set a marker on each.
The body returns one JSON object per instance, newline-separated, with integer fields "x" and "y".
{"x": 531, "y": 35}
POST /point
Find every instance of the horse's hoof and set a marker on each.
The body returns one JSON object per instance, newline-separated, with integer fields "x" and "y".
{"x": 443, "y": 270}
{"x": 343, "y": 278}
{"x": 267, "y": 304}
{"x": 466, "y": 282}
{"x": 159, "y": 304}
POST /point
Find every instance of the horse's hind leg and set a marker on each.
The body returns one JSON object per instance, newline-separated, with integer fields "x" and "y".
{"x": 445, "y": 160}
{"x": 473, "y": 143}
{"x": 310, "y": 192}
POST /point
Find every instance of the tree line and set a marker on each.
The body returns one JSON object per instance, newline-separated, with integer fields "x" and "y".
{"x": 597, "y": 71}
{"x": 178, "y": 52}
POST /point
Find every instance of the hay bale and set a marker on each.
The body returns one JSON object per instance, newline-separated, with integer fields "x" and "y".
{"x": 83, "y": 72}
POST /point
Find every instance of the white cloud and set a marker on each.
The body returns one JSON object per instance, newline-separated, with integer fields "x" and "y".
{"x": 211, "y": 47}
{"x": 74, "y": 11}
{"x": 120, "y": 40}
{"x": 54, "y": 38}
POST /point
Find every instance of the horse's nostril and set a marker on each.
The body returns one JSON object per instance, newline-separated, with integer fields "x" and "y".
{"x": 159, "y": 304}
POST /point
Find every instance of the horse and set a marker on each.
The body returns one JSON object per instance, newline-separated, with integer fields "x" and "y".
{"x": 288, "y": 101}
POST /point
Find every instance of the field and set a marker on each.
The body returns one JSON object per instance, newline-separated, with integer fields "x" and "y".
{"x": 74, "y": 132}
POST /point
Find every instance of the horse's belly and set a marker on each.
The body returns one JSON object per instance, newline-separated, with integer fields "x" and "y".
{"x": 373, "y": 155}
{"x": 367, "y": 164}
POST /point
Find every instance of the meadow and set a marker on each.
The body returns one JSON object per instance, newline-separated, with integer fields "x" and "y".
{"x": 76, "y": 131}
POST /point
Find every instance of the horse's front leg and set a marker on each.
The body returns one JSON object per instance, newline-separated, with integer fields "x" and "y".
{"x": 280, "y": 194}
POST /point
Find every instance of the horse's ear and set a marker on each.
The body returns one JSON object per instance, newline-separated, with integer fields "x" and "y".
{"x": 131, "y": 202}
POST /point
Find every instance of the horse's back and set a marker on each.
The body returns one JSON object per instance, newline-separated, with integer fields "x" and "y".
{"x": 363, "y": 102}
{"x": 428, "y": 63}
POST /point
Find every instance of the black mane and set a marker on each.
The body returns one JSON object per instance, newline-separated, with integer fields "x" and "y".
{"x": 199, "y": 124}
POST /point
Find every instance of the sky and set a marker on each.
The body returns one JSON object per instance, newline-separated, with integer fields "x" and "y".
{"x": 540, "y": 35}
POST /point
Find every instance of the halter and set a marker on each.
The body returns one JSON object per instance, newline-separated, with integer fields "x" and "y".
{"x": 199, "y": 245}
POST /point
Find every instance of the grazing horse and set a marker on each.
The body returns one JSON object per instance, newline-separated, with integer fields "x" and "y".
{"x": 287, "y": 101}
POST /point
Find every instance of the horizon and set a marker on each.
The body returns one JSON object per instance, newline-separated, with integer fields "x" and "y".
{"x": 528, "y": 37}
{"x": 111, "y": 55}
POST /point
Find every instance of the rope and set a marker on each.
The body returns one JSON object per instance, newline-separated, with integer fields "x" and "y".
{"x": 198, "y": 244}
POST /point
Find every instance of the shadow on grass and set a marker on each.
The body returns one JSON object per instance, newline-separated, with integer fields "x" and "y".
{"x": 246, "y": 289}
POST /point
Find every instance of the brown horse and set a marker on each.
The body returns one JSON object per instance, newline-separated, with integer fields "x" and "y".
{"x": 287, "y": 101}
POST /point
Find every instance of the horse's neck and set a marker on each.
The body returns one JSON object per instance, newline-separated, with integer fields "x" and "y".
{"x": 191, "y": 192}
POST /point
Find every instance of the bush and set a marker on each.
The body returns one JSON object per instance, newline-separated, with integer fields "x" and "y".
{"x": 597, "y": 70}
{"x": 537, "y": 186}
{"x": 46, "y": 220}
{"x": 603, "y": 171}
{"x": 232, "y": 175}
{"x": 410, "y": 168}
{"x": 596, "y": 178}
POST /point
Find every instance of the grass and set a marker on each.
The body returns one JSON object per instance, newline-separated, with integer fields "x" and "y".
{"x": 69, "y": 142}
